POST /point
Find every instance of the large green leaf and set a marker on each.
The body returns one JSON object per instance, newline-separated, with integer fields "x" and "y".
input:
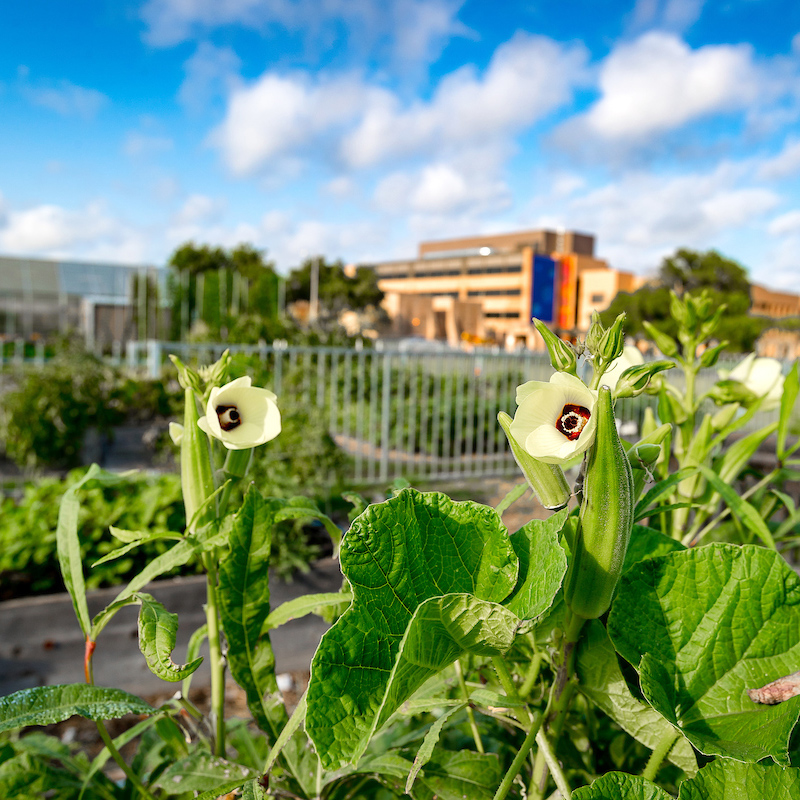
{"x": 244, "y": 606}
{"x": 601, "y": 680}
{"x": 542, "y": 564}
{"x": 397, "y": 555}
{"x": 244, "y": 603}
{"x": 647, "y": 543}
{"x": 44, "y": 705}
{"x": 703, "y": 626}
{"x": 731, "y": 780}
{"x": 68, "y": 544}
{"x": 202, "y": 772}
{"x": 158, "y": 630}
{"x": 454, "y": 776}
{"x": 621, "y": 786}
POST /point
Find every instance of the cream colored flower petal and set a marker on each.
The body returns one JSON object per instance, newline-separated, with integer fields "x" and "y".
{"x": 176, "y": 432}
{"x": 210, "y": 425}
{"x": 524, "y": 389}
{"x": 631, "y": 357}
{"x": 545, "y": 443}
{"x": 742, "y": 369}
{"x": 764, "y": 373}
{"x": 542, "y": 407}
{"x": 575, "y": 390}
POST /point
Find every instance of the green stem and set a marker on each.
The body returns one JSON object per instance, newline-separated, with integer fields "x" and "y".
{"x": 665, "y": 744}
{"x": 117, "y": 756}
{"x": 510, "y": 688}
{"x": 519, "y": 759}
{"x": 532, "y": 676}
{"x": 693, "y": 537}
{"x": 215, "y": 657}
{"x": 555, "y": 767}
{"x": 470, "y": 714}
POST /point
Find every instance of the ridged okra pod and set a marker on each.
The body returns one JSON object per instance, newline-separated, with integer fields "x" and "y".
{"x": 606, "y": 518}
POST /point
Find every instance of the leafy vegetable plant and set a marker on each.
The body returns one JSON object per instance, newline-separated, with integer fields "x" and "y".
{"x": 602, "y": 652}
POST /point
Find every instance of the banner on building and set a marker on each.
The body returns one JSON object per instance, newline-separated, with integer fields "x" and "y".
{"x": 543, "y": 288}
{"x": 568, "y": 291}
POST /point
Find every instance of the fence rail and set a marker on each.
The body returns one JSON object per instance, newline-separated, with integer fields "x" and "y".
{"x": 419, "y": 415}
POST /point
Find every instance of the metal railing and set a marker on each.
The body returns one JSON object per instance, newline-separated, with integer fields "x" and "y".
{"x": 428, "y": 415}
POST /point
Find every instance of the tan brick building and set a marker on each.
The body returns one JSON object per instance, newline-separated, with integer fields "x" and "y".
{"x": 489, "y": 287}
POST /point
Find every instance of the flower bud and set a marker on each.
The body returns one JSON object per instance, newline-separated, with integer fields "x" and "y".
{"x": 724, "y": 416}
{"x": 665, "y": 343}
{"x": 613, "y": 341}
{"x": 595, "y": 334}
{"x": 562, "y": 356}
{"x": 711, "y": 355}
{"x": 546, "y": 480}
{"x": 635, "y": 379}
{"x": 728, "y": 391}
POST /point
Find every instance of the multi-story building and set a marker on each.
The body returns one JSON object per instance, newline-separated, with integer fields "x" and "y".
{"x": 104, "y": 302}
{"x": 490, "y": 287}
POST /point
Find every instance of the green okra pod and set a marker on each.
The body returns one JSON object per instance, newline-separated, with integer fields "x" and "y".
{"x": 606, "y": 518}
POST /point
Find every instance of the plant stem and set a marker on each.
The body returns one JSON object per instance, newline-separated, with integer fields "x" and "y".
{"x": 215, "y": 656}
{"x": 117, "y": 756}
{"x": 555, "y": 767}
{"x": 532, "y": 676}
{"x": 522, "y": 713}
{"x": 665, "y": 744}
{"x": 470, "y": 714}
{"x": 519, "y": 759}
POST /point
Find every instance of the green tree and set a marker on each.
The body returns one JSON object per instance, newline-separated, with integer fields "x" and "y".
{"x": 337, "y": 291}
{"x": 690, "y": 270}
{"x": 227, "y": 290}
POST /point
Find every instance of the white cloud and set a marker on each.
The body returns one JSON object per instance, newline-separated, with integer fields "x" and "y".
{"x": 783, "y": 165}
{"x": 343, "y": 186}
{"x": 643, "y": 215}
{"x": 657, "y": 83}
{"x": 673, "y": 15}
{"x": 277, "y": 115}
{"x": 409, "y": 30}
{"x": 200, "y": 208}
{"x": 66, "y": 98}
{"x": 52, "y": 230}
{"x": 141, "y": 144}
{"x": 527, "y": 78}
{"x": 785, "y": 224}
{"x": 209, "y": 73}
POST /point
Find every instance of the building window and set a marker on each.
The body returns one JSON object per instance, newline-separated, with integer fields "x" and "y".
{"x": 502, "y": 315}
{"x": 494, "y": 293}
{"x": 598, "y": 298}
{"x": 494, "y": 270}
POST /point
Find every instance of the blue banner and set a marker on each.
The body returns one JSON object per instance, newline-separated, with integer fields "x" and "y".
{"x": 543, "y": 288}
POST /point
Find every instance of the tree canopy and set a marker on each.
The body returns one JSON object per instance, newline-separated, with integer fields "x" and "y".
{"x": 337, "y": 291}
{"x": 690, "y": 270}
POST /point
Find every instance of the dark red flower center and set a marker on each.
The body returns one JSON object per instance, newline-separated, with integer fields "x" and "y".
{"x": 572, "y": 420}
{"x": 229, "y": 417}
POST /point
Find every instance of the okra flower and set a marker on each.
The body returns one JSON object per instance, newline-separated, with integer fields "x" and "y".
{"x": 762, "y": 376}
{"x": 555, "y": 421}
{"x": 240, "y": 415}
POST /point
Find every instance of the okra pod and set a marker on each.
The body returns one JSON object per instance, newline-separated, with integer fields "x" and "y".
{"x": 606, "y": 518}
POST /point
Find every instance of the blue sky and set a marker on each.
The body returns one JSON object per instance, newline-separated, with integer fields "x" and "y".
{"x": 356, "y": 128}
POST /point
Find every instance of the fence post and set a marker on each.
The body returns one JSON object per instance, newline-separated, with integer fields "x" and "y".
{"x": 154, "y": 358}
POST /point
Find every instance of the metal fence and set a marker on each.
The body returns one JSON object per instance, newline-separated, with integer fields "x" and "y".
{"x": 419, "y": 415}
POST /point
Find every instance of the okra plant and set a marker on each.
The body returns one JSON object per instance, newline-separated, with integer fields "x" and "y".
{"x": 604, "y": 651}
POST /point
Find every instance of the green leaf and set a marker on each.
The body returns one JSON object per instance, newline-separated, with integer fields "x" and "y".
{"x": 661, "y": 488}
{"x": 487, "y": 699}
{"x": 121, "y": 551}
{"x": 601, "y": 680}
{"x": 621, "y": 786}
{"x": 739, "y": 507}
{"x": 542, "y": 564}
{"x": 252, "y": 790}
{"x": 454, "y": 776}
{"x": 129, "y": 537}
{"x": 192, "y": 651}
{"x": 307, "y": 604}
{"x": 740, "y": 452}
{"x": 176, "y": 556}
{"x": 202, "y": 772}
{"x": 791, "y": 386}
{"x": 398, "y": 554}
{"x": 45, "y": 705}
{"x": 428, "y": 743}
{"x": 158, "y": 630}
{"x": 731, "y": 780}
{"x": 648, "y": 543}
{"x": 511, "y": 498}
{"x": 244, "y": 605}
{"x": 704, "y": 626}
{"x": 68, "y": 543}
